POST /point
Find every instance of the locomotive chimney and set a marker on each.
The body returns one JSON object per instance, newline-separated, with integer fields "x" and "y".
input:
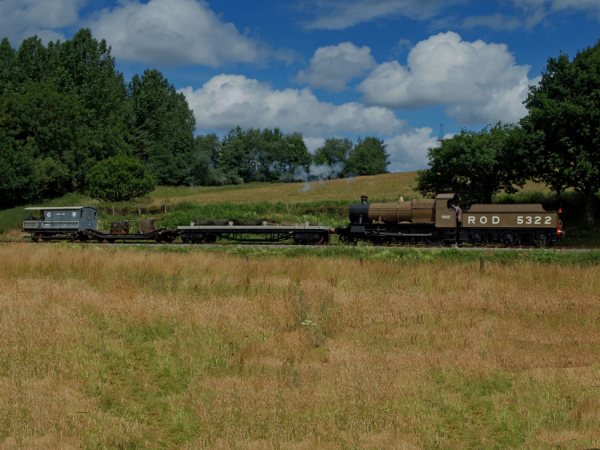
{"x": 364, "y": 199}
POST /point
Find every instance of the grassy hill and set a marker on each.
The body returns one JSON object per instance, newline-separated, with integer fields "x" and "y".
{"x": 378, "y": 187}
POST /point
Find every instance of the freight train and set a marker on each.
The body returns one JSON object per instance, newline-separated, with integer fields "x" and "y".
{"x": 438, "y": 221}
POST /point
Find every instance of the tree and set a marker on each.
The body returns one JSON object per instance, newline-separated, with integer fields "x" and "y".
{"x": 205, "y": 161}
{"x": 17, "y": 173}
{"x": 119, "y": 178}
{"x": 477, "y": 164}
{"x": 564, "y": 120}
{"x": 7, "y": 66}
{"x": 163, "y": 128}
{"x": 84, "y": 67}
{"x": 51, "y": 125}
{"x": 368, "y": 157}
{"x": 334, "y": 153}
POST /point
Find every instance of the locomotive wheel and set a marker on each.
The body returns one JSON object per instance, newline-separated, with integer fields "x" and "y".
{"x": 477, "y": 238}
{"x": 509, "y": 239}
{"x": 540, "y": 240}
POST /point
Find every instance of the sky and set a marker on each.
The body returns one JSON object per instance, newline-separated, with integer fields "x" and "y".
{"x": 405, "y": 71}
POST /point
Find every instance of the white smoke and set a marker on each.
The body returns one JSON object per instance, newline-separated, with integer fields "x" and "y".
{"x": 318, "y": 172}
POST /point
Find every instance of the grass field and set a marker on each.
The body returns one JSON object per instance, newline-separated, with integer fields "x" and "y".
{"x": 379, "y": 187}
{"x": 125, "y": 348}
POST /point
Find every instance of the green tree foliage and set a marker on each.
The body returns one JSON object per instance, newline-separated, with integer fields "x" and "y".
{"x": 63, "y": 107}
{"x": 163, "y": 127}
{"x": 477, "y": 164}
{"x": 368, "y": 157}
{"x": 119, "y": 178}
{"x": 205, "y": 161}
{"x": 268, "y": 155}
{"x": 48, "y": 124}
{"x": 334, "y": 152}
{"x": 7, "y": 66}
{"x": 16, "y": 167}
{"x": 564, "y": 122}
{"x": 84, "y": 67}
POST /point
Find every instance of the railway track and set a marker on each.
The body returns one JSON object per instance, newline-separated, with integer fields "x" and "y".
{"x": 465, "y": 247}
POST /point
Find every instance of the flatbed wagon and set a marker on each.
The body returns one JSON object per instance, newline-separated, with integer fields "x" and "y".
{"x": 264, "y": 233}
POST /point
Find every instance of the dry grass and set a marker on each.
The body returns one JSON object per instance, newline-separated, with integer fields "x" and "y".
{"x": 112, "y": 348}
{"x": 378, "y": 187}
{"x": 387, "y": 186}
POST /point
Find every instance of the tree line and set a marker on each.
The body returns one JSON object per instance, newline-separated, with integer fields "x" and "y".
{"x": 70, "y": 123}
{"x": 557, "y": 142}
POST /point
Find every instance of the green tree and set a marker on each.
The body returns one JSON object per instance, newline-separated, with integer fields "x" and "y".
{"x": 7, "y": 67}
{"x": 163, "y": 128}
{"x": 32, "y": 61}
{"x": 89, "y": 72}
{"x": 368, "y": 157}
{"x": 238, "y": 157}
{"x": 293, "y": 157}
{"x": 16, "y": 167}
{"x": 564, "y": 120}
{"x": 334, "y": 152}
{"x": 477, "y": 164}
{"x": 119, "y": 178}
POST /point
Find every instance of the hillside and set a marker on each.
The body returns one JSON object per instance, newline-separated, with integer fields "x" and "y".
{"x": 386, "y": 186}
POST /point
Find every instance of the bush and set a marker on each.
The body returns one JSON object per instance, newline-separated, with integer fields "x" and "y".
{"x": 119, "y": 178}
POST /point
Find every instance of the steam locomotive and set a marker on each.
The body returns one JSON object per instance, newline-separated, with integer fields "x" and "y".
{"x": 441, "y": 221}
{"x": 438, "y": 221}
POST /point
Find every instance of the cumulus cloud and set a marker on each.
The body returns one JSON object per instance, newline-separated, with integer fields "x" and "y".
{"x": 23, "y": 18}
{"x": 478, "y": 82}
{"x": 333, "y": 66}
{"x": 173, "y": 32}
{"x": 226, "y": 101}
{"x": 408, "y": 151}
{"x": 340, "y": 14}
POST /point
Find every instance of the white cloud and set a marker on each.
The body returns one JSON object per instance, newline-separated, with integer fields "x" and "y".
{"x": 333, "y": 66}
{"x": 478, "y": 82}
{"x": 340, "y": 14}
{"x": 227, "y": 101}
{"x": 23, "y": 18}
{"x": 408, "y": 151}
{"x": 496, "y": 22}
{"x": 173, "y": 32}
{"x": 537, "y": 10}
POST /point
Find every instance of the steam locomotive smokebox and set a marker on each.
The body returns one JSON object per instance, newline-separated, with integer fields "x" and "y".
{"x": 359, "y": 212}
{"x": 415, "y": 211}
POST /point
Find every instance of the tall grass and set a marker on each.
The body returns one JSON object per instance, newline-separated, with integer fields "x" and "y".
{"x": 110, "y": 348}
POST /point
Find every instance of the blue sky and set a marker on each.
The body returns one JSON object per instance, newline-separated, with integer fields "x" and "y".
{"x": 401, "y": 70}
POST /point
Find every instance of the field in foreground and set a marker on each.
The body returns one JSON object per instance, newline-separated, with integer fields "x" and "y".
{"x": 111, "y": 348}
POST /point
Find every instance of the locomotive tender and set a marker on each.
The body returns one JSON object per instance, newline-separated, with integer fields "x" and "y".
{"x": 422, "y": 221}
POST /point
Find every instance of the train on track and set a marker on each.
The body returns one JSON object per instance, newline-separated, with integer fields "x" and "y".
{"x": 438, "y": 221}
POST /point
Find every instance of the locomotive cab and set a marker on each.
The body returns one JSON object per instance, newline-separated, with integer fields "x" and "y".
{"x": 445, "y": 212}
